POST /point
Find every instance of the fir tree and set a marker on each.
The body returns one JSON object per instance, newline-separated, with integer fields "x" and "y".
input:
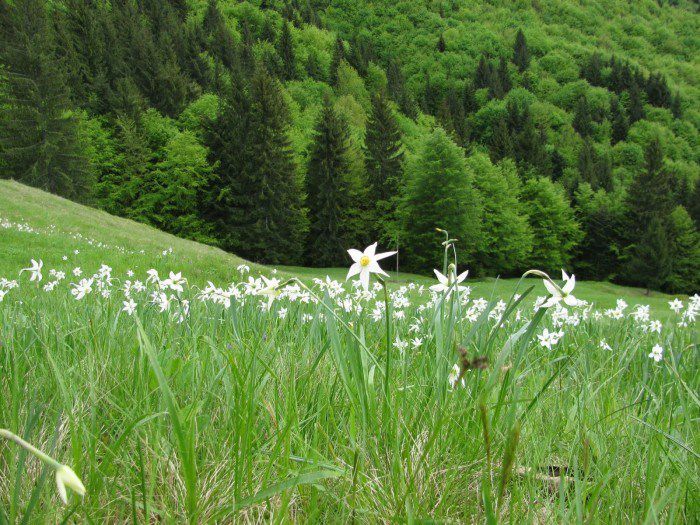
{"x": 38, "y": 134}
{"x": 557, "y": 164}
{"x": 329, "y": 191}
{"x": 384, "y": 159}
{"x": 521, "y": 54}
{"x": 285, "y": 49}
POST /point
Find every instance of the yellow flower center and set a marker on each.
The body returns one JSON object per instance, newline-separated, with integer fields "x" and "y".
{"x": 364, "y": 261}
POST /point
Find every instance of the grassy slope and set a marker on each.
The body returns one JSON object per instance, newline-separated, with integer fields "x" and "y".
{"x": 198, "y": 262}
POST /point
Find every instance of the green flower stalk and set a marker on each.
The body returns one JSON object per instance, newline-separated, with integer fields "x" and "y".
{"x": 65, "y": 476}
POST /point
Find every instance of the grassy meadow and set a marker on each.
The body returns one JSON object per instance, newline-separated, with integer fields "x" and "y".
{"x": 293, "y": 399}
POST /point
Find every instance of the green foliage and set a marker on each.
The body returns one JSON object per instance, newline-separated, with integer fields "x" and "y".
{"x": 685, "y": 253}
{"x": 256, "y": 197}
{"x": 38, "y": 134}
{"x": 650, "y": 255}
{"x": 554, "y": 228}
{"x": 439, "y": 194}
{"x": 384, "y": 163}
{"x": 330, "y": 192}
{"x": 576, "y": 101}
{"x": 507, "y": 237}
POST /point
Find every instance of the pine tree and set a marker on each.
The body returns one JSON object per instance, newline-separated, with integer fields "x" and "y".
{"x": 583, "y": 122}
{"x": 38, "y": 134}
{"x": 618, "y": 121}
{"x": 439, "y": 193}
{"x": 285, "y": 49}
{"x": 521, "y": 54}
{"x": 329, "y": 191}
{"x": 384, "y": 163}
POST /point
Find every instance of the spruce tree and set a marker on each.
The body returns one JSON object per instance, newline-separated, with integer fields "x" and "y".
{"x": 483, "y": 73}
{"x": 329, "y": 191}
{"x": 521, "y": 55}
{"x": 384, "y": 164}
{"x": 676, "y": 106}
{"x": 338, "y": 57}
{"x": 38, "y": 135}
{"x": 649, "y": 194}
{"x": 256, "y": 197}
{"x": 285, "y": 49}
{"x": 441, "y": 44}
{"x": 636, "y": 105}
{"x": 503, "y": 75}
{"x": 618, "y": 121}
{"x": 650, "y": 256}
{"x": 501, "y": 142}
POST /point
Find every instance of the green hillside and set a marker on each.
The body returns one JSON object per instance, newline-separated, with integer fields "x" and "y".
{"x": 540, "y": 133}
{"x": 61, "y": 226}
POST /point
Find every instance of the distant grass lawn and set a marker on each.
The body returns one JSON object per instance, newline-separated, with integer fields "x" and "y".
{"x": 198, "y": 262}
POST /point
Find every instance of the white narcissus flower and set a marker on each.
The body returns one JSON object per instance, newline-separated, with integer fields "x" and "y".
{"x": 365, "y": 263}
{"x": 563, "y": 293}
{"x": 129, "y": 307}
{"x": 449, "y": 283}
{"x": 65, "y": 477}
{"x": 270, "y": 290}
{"x": 34, "y": 270}
{"x": 657, "y": 353}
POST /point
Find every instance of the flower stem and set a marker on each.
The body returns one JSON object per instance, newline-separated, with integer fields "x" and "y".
{"x": 388, "y": 339}
{"x": 4, "y": 433}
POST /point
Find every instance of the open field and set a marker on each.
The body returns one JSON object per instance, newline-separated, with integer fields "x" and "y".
{"x": 176, "y": 401}
{"x": 60, "y": 219}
